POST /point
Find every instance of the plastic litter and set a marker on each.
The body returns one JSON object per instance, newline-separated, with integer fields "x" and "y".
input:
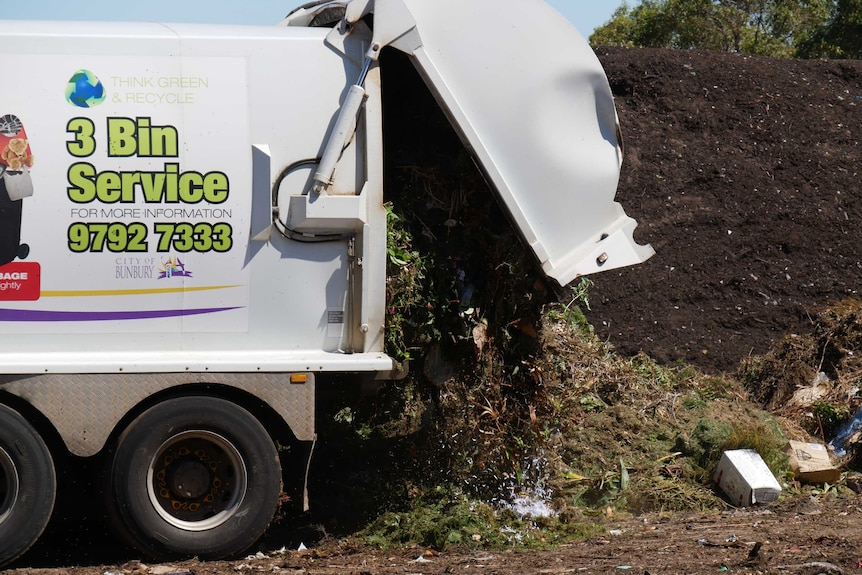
{"x": 838, "y": 445}
{"x": 732, "y": 541}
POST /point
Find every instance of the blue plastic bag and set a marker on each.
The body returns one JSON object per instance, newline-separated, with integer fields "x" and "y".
{"x": 837, "y": 445}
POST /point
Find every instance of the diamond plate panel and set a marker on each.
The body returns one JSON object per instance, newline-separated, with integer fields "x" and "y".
{"x": 85, "y": 408}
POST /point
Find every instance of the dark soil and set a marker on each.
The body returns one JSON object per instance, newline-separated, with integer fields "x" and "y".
{"x": 742, "y": 172}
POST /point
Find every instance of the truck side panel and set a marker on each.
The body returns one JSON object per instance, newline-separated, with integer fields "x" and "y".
{"x": 151, "y": 198}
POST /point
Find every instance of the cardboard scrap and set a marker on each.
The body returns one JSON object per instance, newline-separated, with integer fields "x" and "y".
{"x": 811, "y": 463}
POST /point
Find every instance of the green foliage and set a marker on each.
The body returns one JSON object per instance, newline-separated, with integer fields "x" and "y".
{"x": 710, "y": 438}
{"x": 840, "y": 36}
{"x": 830, "y": 415}
{"x": 705, "y": 443}
{"x": 347, "y": 417}
{"x": 669, "y": 494}
{"x": 618, "y": 31}
{"x": 445, "y": 516}
{"x": 409, "y": 318}
{"x": 581, "y": 292}
{"x": 766, "y": 27}
{"x": 694, "y": 400}
{"x": 766, "y": 438}
{"x": 608, "y": 489}
{"x": 592, "y": 403}
{"x": 663, "y": 377}
{"x": 571, "y": 313}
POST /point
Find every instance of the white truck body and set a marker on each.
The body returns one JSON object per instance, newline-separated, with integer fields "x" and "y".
{"x": 203, "y": 205}
{"x": 134, "y": 305}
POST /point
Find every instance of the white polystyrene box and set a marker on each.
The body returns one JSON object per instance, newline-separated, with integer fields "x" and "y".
{"x": 744, "y": 477}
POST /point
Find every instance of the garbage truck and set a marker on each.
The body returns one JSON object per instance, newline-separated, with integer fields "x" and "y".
{"x": 194, "y": 231}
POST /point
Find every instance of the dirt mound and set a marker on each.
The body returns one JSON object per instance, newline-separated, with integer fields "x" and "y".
{"x": 742, "y": 173}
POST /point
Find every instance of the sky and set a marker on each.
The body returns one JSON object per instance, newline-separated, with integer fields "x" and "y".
{"x": 586, "y": 15}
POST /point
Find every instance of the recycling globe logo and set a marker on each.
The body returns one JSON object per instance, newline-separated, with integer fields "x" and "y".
{"x": 85, "y": 90}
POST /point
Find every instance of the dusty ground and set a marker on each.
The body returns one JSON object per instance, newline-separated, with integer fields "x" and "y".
{"x": 803, "y": 536}
{"x": 742, "y": 172}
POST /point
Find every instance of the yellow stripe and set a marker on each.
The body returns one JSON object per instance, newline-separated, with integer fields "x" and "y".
{"x": 90, "y": 293}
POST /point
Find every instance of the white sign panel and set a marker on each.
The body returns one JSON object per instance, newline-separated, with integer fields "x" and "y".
{"x": 125, "y": 197}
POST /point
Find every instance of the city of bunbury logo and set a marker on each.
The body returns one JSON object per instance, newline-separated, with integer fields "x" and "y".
{"x": 174, "y": 267}
{"x": 85, "y": 90}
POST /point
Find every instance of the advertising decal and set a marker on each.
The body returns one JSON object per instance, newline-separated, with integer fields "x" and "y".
{"x": 124, "y": 196}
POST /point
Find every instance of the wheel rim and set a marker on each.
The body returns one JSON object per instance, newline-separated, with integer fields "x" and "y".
{"x": 197, "y": 480}
{"x": 8, "y": 485}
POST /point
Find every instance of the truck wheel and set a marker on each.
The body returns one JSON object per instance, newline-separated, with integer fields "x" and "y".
{"x": 28, "y": 485}
{"x": 194, "y": 476}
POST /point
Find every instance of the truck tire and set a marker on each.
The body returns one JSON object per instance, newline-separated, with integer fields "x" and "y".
{"x": 28, "y": 485}
{"x": 194, "y": 477}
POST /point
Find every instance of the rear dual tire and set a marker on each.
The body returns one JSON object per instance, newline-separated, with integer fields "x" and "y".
{"x": 194, "y": 476}
{"x": 28, "y": 485}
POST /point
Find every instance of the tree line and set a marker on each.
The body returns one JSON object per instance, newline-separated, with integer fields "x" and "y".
{"x": 783, "y": 28}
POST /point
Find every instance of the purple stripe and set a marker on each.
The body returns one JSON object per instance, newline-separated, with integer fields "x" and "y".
{"x": 39, "y": 315}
